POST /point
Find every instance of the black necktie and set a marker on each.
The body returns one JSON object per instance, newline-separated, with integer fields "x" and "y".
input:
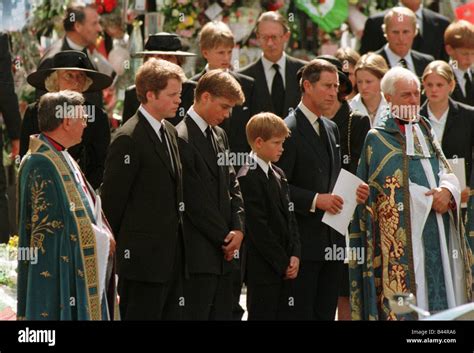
{"x": 211, "y": 140}
{"x": 275, "y": 186}
{"x": 468, "y": 86}
{"x": 403, "y": 62}
{"x": 165, "y": 145}
{"x": 278, "y": 92}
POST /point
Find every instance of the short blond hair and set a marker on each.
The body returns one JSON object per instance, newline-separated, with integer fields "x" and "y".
{"x": 459, "y": 34}
{"x": 219, "y": 83}
{"x": 154, "y": 75}
{"x": 440, "y": 68}
{"x": 215, "y": 34}
{"x": 266, "y": 126}
{"x": 373, "y": 63}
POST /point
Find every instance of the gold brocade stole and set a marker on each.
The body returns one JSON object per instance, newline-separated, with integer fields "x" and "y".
{"x": 86, "y": 233}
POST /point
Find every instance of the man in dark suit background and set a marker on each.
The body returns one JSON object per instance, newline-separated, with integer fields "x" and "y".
{"x": 216, "y": 42}
{"x": 10, "y": 112}
{"x": 429, "y": 39}
{"x": 166, "y": 46}
{"x": 276, "y": 85}
{"x": 82, "y": 27}
{"x": 143, "y": 199}
{"x": 400, "y": 29}
{"x": 214, "y": 215}
{"x": 311, "y": 161}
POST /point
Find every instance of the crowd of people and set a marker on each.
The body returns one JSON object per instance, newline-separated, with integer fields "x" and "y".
{"x": 223, "y": 179}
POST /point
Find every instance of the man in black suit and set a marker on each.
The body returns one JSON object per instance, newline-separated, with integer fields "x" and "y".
{"x": 168, "y": 47}
{"x": 276, "y": 85}
{"x": 82, "y": 27}
{"x": 10, "y": 112}
{"x": 214, "y": 215}
{"x": 429, "y": 40}
{"x": 216, "y": 42}
{"x": 311, "y": 161}
{"x": 143, "y": 199}
{"x": 400, "y": 29}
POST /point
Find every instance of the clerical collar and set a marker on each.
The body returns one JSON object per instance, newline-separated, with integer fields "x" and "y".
{"x": 55, "y": 143}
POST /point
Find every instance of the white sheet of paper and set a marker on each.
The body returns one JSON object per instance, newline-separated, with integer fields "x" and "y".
{"x": 459, "y": 169}
{"x": 346, "y": 186}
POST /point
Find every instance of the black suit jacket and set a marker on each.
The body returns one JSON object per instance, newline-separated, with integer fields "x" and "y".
{"x": 131, "y": 103}
{"x": 212, "y": 197}
{"x": 458, "y": 136}
{"x": 143, "y": 200}
{"x": 262, "y": 100}
{"x": 432, "y": 41}
{"x": 271, "y": 231}
{"x": 90, "y": 153}
{"x": 308, "y": 174}
{"x": 46, "y": 62}
{"x": 420, "y": 60}
{"x": 235, "y": 125}
{"x": 459, "y": 96}
{"x": 8, "y": 99}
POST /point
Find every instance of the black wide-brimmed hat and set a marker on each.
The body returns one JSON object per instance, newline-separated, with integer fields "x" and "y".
{"x": 163, "y": 43}
{"x": 343, "y": 77}
{"x": 71, "y": 60}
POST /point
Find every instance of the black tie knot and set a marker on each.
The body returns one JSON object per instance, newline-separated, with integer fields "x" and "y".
{"x": 403, "y": 63}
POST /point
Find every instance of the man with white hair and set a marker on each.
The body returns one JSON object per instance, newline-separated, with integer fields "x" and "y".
{"x": 410, "y": 228}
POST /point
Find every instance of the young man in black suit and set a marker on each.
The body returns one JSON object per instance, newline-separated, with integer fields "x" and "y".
{"x": 400, "y": 29}
{"x": 143, "y": 199}
{"x": 272, "y": 249}
{"x": 216, "y": 42}
{"x": 312, "y": 162}
{"x": 214, "y": 215}
{"x": 429, "y": 39}
{"x": 275, "y": 72}
{"x": 166, "y": 46}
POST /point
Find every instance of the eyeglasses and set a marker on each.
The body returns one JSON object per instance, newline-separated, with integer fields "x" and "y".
{"x": 274, "y": 38}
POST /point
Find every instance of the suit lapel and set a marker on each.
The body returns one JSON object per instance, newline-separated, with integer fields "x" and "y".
{"x": 201, "y": 144}
{"x": 305, "y": 128}
{"x": 451, "y": 119}
{"x": 291, "y": 86}
{"x": 332, "y": 154}
{"x": 156, "y": 143}
{"x": 261, "y": 81}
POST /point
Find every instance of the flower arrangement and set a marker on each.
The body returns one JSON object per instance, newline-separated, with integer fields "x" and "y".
{"x": 106, "y": 6}
{"x": 181, "y": 17}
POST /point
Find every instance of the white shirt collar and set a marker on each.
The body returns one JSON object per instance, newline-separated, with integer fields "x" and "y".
{"x": 201, "y": 123}
{"x": 73, "y": 45}
{"x": 438, "y": 124}
{"x": 155, "y": 123}
{"x": 270, "y": 71}
{"x": 460, "y": 76}
{"x": 393, "y": 59}
{"x": 261, "y": 163}
{"x": 308, "y": 113}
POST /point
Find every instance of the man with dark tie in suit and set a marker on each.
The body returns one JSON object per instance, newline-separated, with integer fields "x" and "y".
{"x": 459, "y": 40}
{"x": 311, "y": 161}
{"x": 143, "y": 199}
{"x": 214, "y": 215}
{"x": 82, "y": 26}
{"x": 10, "y": 112}
{"x": 400, "y": 29}
{"x": 429, "y": 39}
{"x": 275, "y": 72}
{"x": 166, "y": 46}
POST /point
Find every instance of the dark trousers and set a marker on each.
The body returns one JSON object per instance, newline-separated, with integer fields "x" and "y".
{"x": 269, "y": 301}
{"x": 237, "y": 310}
{"x": 316, "y": 290}
{"x": 4, "y": 215}
{"x": 154, "y": 301}
{"x": 208, "y": 297}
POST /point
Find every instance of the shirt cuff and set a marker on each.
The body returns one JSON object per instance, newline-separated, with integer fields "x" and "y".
{"x": 313, "y": 205}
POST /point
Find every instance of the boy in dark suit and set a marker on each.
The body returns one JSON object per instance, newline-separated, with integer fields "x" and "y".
{"x": 272, "y": 249}
{"x": 214, "y": 213}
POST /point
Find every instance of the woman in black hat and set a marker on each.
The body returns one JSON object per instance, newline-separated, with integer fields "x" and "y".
{"x": 72, "y": 70}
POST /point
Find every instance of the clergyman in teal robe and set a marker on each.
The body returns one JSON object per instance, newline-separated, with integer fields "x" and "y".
{"x": 406, "y": 251}
{"x": 55, "y": 219}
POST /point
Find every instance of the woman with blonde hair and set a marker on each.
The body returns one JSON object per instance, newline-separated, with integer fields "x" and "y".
{"x": 370, "y": 101}
{"x": 452, "y": 122}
